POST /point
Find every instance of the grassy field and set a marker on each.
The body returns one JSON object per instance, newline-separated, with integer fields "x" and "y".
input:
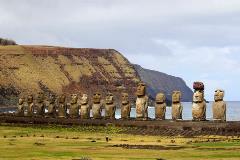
{"x": 85, "y": 143}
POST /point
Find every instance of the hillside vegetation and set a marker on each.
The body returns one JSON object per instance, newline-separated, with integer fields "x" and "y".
{"x": 29, "y": 69}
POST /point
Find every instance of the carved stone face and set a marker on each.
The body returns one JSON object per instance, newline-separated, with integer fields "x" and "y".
{"x": 20, "y": 100}
{"x": 141, "y": 89}
{"x": 84, "y": 99}
{"x": 74, "y": 98}
{"x": 176, "y": 96}
{"x": 96, "y": 98}
{"x": 219, "y": 94}
{"x": 160, "y": 98}
{"x": 198, "y": 96}
{"x": 62, "y": 99}
{"x": 125, "y": 99}
{"x": 40, "y": 97}
{"x": 51, "y": 98}
{"x": 30, "y": 99}
{"x": 109, "y": 98}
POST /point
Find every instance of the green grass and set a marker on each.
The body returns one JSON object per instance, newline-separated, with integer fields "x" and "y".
{"x": 75, "y": 142}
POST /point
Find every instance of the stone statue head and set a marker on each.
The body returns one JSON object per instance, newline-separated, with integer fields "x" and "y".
{"x": 141, "y": 89}
{"x": 160, "y": 98}
{"x": 84, "y": 99}
{"x": 176, "y": 96}
{"x": 198, "y": 96}
{"x": 96, "y": 98}
{"x": 62, "y": 98}
{"x": 51, "y": 98}
{"x": 21, "y": 100}
{"x": 125, "y": 98}
{"x": 219, "y": 94}
{"x": 109, "y": 98}
{"x": 40, "y": 97}
{"x": 30, "y": 99}
{"x": 74, "y": 98}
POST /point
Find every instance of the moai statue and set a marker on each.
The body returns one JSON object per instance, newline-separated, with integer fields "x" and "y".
{"x": 30, "y": 105}
{"x": 176, "y": 106}
{"x": 40, "y": 107}
{"x": 62, "y": 107}
{"x": 74, "y": 107}
{"x": 160, "y": 106}
{"x": 199, "y": 104}
{"x": 51, "y": 106}
{"x": 219, "y": 106}
{"x": 141, "y": 102}
{"x": 96, "y": 107}
{"x": 20, "y": 109}
{"x": 85, "y": 108}
{"x": 110, "y": 107}
{"x": 125, "y": 107}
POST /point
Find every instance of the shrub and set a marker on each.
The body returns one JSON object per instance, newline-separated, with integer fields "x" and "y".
{"x": 5, "y": 42}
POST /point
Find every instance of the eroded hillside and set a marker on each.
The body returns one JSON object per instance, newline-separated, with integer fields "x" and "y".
{"x": 29, "y": 69}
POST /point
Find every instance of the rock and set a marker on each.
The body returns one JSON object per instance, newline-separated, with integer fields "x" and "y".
{"x": 160, "y": 106}
{"x": 141, "y": 102}
{"x": 176, "y": 106}
{"x": 160, "y": 82}
{"x": 85, "y": 108}
{"x": 125, "y": 106}
{"x": 219, "y": 106}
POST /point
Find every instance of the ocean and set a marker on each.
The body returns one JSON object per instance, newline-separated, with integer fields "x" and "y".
{"x": 233, "y": 111}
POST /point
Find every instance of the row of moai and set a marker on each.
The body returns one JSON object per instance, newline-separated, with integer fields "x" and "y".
{"x": 198, "y": 104}
{"x": 59, "y": 108}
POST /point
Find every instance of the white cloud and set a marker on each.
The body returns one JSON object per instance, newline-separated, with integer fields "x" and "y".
{"x": 193, "y": 39}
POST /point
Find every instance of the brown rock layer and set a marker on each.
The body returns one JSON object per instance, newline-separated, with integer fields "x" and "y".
{"x": 30, "y": 69}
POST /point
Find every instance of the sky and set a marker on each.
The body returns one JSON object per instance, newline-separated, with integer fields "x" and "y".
{"x": 197, "y": 40}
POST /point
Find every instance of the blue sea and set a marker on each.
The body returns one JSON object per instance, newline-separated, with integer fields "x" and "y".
{"x": 233, "y": 111}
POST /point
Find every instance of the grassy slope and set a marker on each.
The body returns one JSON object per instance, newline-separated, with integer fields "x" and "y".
{"x": 76, "y": 142}
{"x": 30, "y": 68}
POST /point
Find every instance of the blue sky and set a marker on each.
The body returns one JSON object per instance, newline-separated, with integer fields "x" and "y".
{"x": 197, "y": 40}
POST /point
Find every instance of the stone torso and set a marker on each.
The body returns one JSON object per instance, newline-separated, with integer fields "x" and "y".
{"x": 110, "y": 111}
{"x": 160, "y": 110}
{"x": 74, "y": 110}
{"x": 30, "y": 109}
{"x": 85, "y": 111}
{"x": 177, "y": 111}
{"x": 40, "y": 109}
{"x": 74, "y": 107}
{"x": 219, "y": 110}
{"x": 62, "y": 110}
{"x": 125, "y": 111}
{"x": 96, "y": 110}
{"x": 199, "y": 111}
{"x": 51, "y": 109}
{"x": 141, "y": 107}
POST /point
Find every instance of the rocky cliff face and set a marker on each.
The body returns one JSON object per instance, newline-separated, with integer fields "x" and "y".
{"x": 161, "y": 82}
{"x": 29, "y": 69}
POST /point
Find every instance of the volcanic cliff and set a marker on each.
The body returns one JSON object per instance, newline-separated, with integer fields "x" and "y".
{"x": 29, "y": 69}
{"x": 162, "y": 82}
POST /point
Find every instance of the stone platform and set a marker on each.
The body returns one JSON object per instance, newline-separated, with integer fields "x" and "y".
{"x": 133, "y": 126}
